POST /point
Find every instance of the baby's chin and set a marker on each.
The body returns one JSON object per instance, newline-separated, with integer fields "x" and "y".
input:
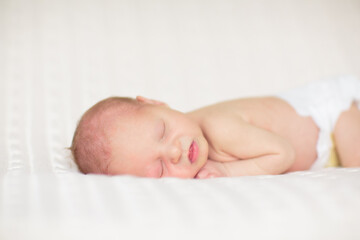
{"x": 198, "y": 170}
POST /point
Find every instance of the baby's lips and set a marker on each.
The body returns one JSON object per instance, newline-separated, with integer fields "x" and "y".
{"x": 193, "y": 151}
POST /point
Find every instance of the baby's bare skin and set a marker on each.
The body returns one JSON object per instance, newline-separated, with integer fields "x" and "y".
{"x": 242, "y": 137}
{"x": 256, "y": 136}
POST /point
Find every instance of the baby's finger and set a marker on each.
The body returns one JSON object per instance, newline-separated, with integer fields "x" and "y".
{"x": 203, "y": 173}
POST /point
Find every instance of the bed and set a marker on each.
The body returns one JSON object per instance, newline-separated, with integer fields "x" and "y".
{"x": 57, "y": 58}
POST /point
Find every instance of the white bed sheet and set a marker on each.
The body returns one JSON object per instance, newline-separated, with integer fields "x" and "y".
{"x": 59, "y": 57}
{"x": 304, "y": 205}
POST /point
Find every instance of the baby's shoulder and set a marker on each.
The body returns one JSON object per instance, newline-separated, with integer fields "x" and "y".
{"x": 221, "y": 119}
{"x": 217, "y": 125}
{"x": 236, "y": 109}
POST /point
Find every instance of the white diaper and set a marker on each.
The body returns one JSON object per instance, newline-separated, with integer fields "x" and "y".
{"x": 324, "y": 101}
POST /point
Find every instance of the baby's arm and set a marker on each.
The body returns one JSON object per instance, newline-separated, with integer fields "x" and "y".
{"x": 259, "y": 152}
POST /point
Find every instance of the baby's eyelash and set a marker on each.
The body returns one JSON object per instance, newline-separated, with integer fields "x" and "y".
{"x": 164, "y": 129}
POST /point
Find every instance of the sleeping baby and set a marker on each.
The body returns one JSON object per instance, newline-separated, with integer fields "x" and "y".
{"x": 312, "y": 127}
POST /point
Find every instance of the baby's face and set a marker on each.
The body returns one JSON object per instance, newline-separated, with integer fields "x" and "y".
{"x": 156, "y": 141}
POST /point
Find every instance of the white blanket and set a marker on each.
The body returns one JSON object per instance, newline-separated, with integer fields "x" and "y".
{"x": 303, "y": 205}
{"x": 58, "y": 57}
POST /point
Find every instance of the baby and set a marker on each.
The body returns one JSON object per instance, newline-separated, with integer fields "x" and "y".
{"x": 242, "y": 137}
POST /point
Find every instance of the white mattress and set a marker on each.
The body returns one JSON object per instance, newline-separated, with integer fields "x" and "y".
{"x": 304, "y": 205}
{"x": 59, "y": 57}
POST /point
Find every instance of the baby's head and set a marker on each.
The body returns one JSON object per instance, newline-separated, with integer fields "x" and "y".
{"x": 141, "y": 137}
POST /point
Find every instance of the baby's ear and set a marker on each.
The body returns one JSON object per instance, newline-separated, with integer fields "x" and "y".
{"x": 150, "y": 101}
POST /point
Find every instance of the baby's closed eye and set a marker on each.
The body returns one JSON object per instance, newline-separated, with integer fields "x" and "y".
{"x": 160, "y": 130}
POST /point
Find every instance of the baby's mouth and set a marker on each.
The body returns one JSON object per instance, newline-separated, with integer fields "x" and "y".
{"x": 193, "y": 152}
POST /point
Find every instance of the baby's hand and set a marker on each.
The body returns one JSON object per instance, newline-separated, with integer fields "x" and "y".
{"x": 212, "y": 169}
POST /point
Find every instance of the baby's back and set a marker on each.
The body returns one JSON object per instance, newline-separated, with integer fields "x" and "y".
{"x": 269, "y": 113}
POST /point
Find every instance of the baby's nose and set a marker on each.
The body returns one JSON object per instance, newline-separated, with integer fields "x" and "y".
{"x": 174, "y": 154}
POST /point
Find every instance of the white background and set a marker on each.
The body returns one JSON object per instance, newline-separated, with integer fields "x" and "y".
{"x": 59, "y": 57}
